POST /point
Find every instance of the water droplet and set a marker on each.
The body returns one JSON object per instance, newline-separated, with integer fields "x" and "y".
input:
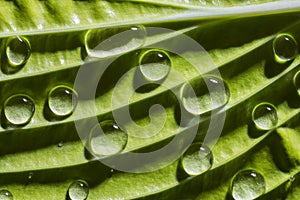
{"x": 247, "y": 185}
{"x": 18, "y": 109}
{"x": 154, "y": 65}
{"x": 6, "y": 195}
{"x": 197, "y": 159}
{"x": 201, "y": 96}
{"x": 285, "y": 48}
{"x": 297, "y": 82}
{"x": 60, "y": 144}
{"x": 30, "y": 175}
{"x": 78, "y": 190}
{"x": 111, "y": 140}
{"x": 62, "y": 101}
{"x": 264, "y": 116}
{"x": 18, "y": 51}
{"x": 107, "y": 42}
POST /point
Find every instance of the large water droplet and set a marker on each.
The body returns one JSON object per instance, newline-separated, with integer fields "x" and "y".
{"x": 107, "y": 42}
{"x": 18, "y": 51}
{"x": 197, "y": 159}
{"x": 62, "y": 101}
{"x": 285, "y": 48}
{"x": 201, "y": 96}
{"x": 264, "y": 116}
{"x": 111, "y": 140}
{"x": 6, "y": 195}
{"x": 154, "y": 65}
{"x": 78, "y": 190}
{"x": 297, "y": 82}
{"x": 18, "y": 109}
{"x": 247, "y": 185}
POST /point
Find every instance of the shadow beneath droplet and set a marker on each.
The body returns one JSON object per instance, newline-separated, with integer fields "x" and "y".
{"x": 279, "y": 154}
{"x": 180, "y": 173}
{"x": 253, "y": 132}
{"x": 272, "y": 67}
{"x": 182, "y": 117}
{"x": 228, "y": 195}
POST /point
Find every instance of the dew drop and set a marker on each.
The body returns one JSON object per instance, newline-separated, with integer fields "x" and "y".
{"x": 60, "y": 144}
{"x": 18, "y": 109}
{"x": 248, "y": 185}
{"x": 6, "y": 195}
{"x": 107, "y": 42}
{"x": 154, "y": 65}
{"x": 201, "y": 96}
{"x": 264, "y": 116}
{"x": 30, "y": 175}
{"x": 197, "y": 159}
{"x": 78, "y": 190}
{"x": 285, "y": 48}
{"x": 18, "y": 51}
{"x": 111, "y": 140}
{"x": 297, "y": 82}
{"x": 62, "y": 101}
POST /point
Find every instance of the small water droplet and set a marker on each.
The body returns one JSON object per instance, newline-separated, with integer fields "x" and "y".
{"x": 60, "y": 144}
{"x": 30, "y": 175}
{"x": 18, "y": 51}
{"x": 248, "y": 185}
{"x": 107, "y": 42}
{"x": 62, "y": 101}
{"x": 154, "y": 65}
{"x": 285, "y": 48}
{"x": 264, "y": 116}
{"x": 111, "y": 142}
{"x": 201, "y": 96}
{"x": 197, "y": 159}
{"x": 18, "y": 109}
{"x": 78, "y": 190}
{"x": 6, "y": 195}
{"x": 297, "y": 82}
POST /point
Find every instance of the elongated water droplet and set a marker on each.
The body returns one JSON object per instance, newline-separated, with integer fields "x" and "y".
{"x": 17, "y": 51}
{"x": 248, "y": 185}
{"x": 78, "y": 190}
{"x": 201, "y": 96}
{"x": 6, "y": 195}
{"x": 197, "y": 159}
{"x": 62, "y": 101}
{"x": 107, "y": 42}
{"x": 264, "y": 116}
{"x": 285, "y": 48}
{"x": 18, "y": 109}
{"x": 297, "y": 82}
{"x": 111, "y": 140}
{"x": 154, "y": 65}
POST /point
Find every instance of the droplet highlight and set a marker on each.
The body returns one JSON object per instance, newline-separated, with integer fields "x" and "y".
{"x": 296, "y": 82}
{"x": 6, "y": 195}
{"x": 17, "y": 52}
{"x": 248, "y": 185}
{"x": 62, "y": 101}
{"x": 285, "y": 48}
{"x": 107, "y": 42}
{"x": 201, "y": 96}
{"x": 264, "y": 116}
{"x": 78, "y": 190}
{"x": 18, "y": 110}
{"x": 197, "y": 159}
{"x": 107, "y": 139}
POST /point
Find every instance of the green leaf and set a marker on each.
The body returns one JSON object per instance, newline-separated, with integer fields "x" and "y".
{"x": 42, "y": 158}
